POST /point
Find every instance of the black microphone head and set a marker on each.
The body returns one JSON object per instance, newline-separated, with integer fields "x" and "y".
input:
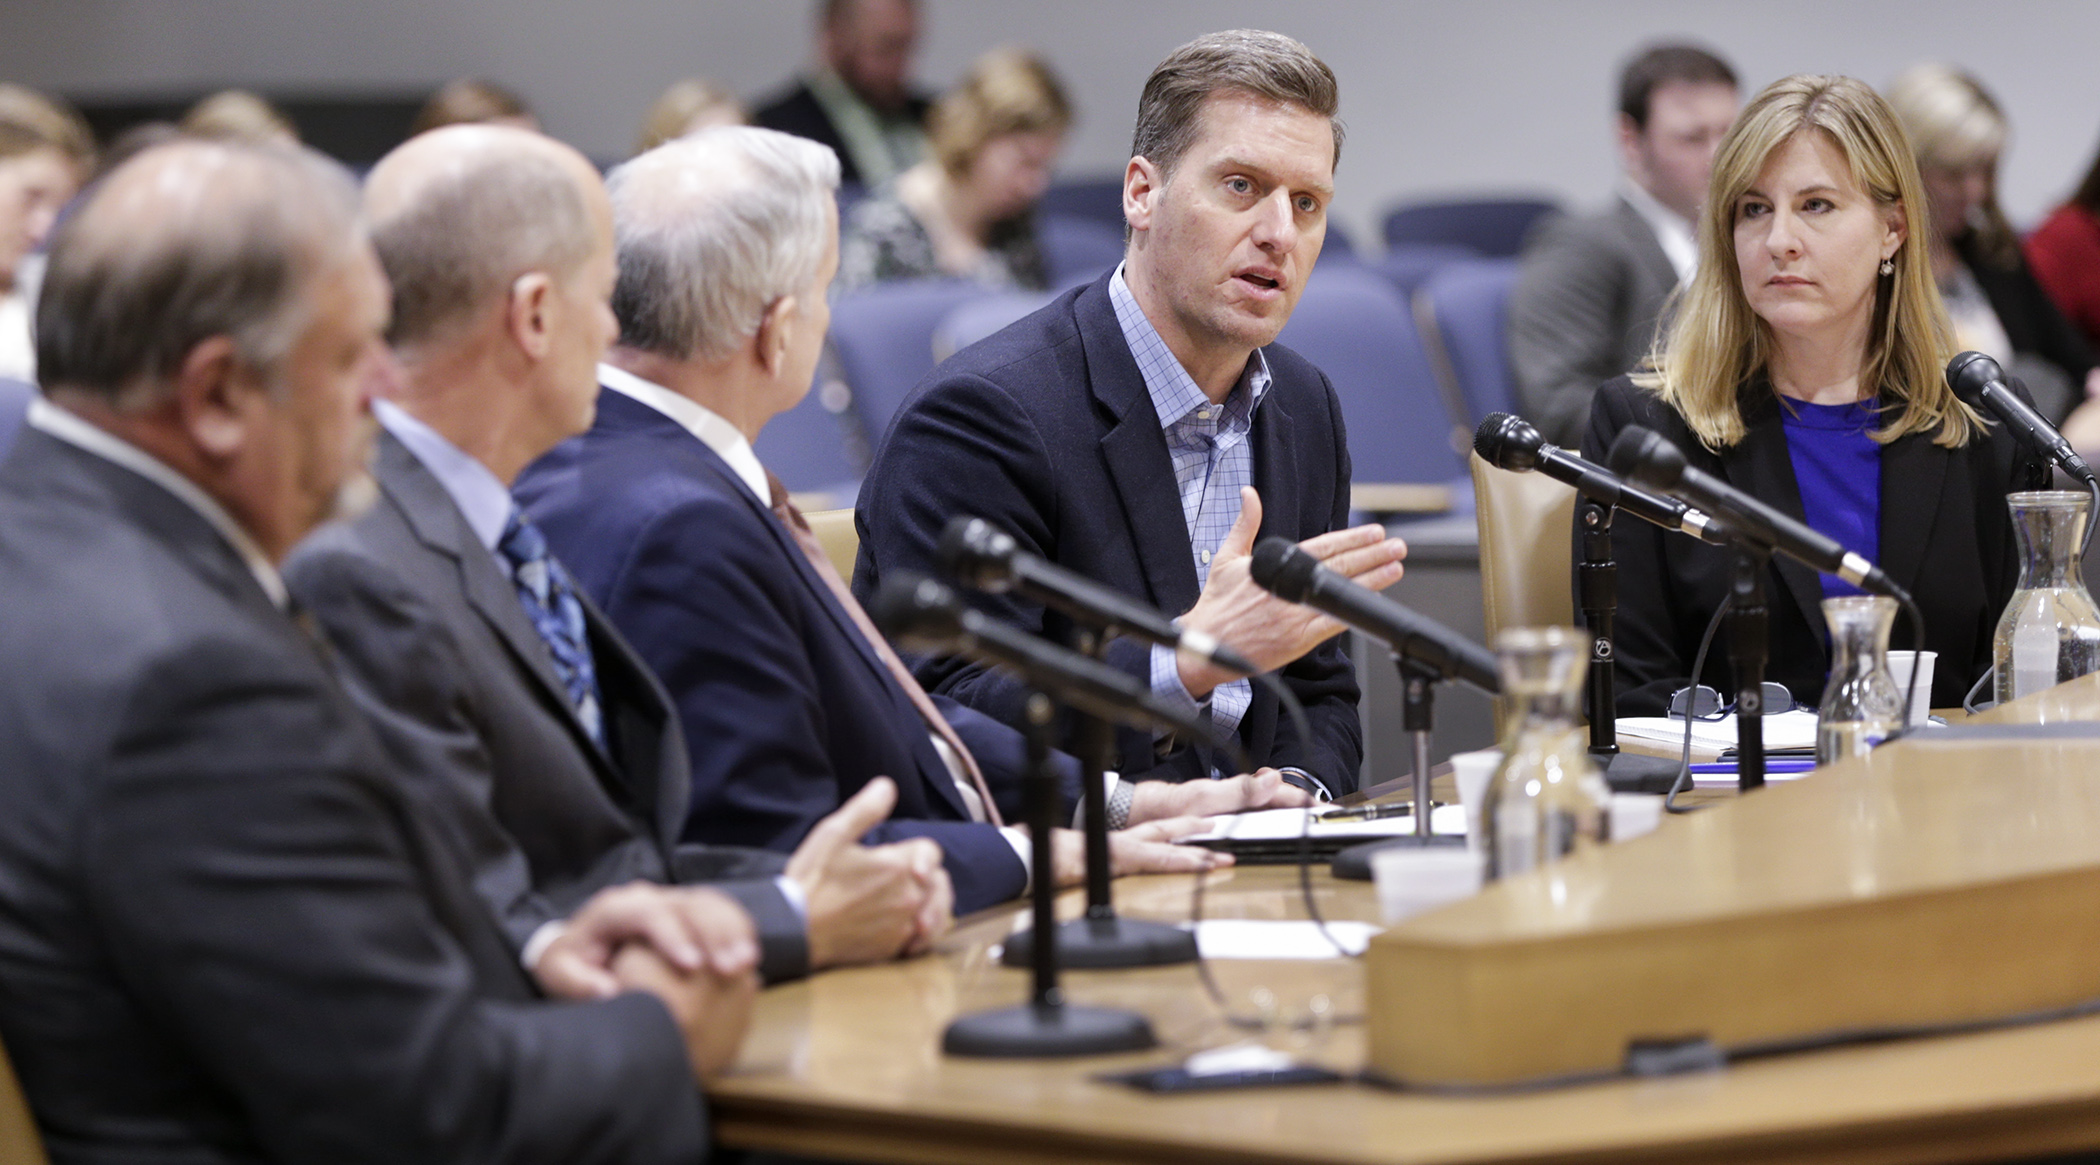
{"x": 916, "y": 611}
{"x": 1507, "y": 441}
{"x": 1646, "y": 456}
{"x": 976, "y": 554}
{"x": 1969, "y": 372}
{"x": 1281, "y": 568}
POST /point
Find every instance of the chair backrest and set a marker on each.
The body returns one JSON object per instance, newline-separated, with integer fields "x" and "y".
{"x": 1356, "y": 328}
{"x": 1410, "y": 265}
{"x": 1491, "y": 226}
{"x": 1077, "y": 249}
{"x": 1099, "y": 199}
{"x": 881, "y": 342}
{"x": 979, "y": 318}
{"x": 1463, "y": 312}
{"x": 835, "y": 533}
{"x": 819, "y": 445}
{"x": 19, "y": 1142}
{"x": 1527, "y": 541}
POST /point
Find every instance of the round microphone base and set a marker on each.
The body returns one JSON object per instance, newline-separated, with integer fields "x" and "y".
{"x": 1033, "y": 1030}
{"x": 1096, "y": 944}
{"x": 1354, "y": 863}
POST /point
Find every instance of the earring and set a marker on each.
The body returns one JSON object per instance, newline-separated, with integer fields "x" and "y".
{"x": 1888, "y": 266}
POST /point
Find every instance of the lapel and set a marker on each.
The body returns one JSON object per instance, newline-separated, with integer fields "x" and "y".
{"x": 705, "y": 461}
{"x": 1759, "y": 465}
{"x": 1135, "y": 450}
{"x": 433, "y": 518}
{"x": 1913, "y": 476}
{"x": 1276, "y": 470}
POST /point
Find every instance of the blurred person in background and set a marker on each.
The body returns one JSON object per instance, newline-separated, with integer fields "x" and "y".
{"x": 689, "y": 106}
{"x": 859, "y": 100}
{"x": 2064, "y": 254}
{"x": 236, "y": 115}
{"x": 968, "y": 210}
{"x": 1593, "y": 287}
{"x": 46, "y": 152}
{"x": 1959, "y": 132}
{"x": 471, "y": 100}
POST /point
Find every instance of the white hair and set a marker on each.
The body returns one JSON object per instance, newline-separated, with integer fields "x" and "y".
{"x": 712, "y": 230}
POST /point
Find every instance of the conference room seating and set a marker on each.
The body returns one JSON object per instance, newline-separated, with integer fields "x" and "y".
{"x": 1526, "y": 523}
{"x": 819, "y": 446}
{"x": 1462, "y": 310}
{"x": 881, "y": 342}
{"x": 1356, "y": 328}
{"x": 979, "y": 318}
{"x": 835, "y": 533}
{"x": 1491, "y": 226}
{"x": 19, "y": 1142}
{"x": 1410, "y": 265}
{"x": 1077, "y": 248}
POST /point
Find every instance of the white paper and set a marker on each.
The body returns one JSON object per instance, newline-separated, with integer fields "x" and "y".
{"x": 1795, "y": 729}
{"x": 1263, "y": 938}
{"x": 1287, "y": 824}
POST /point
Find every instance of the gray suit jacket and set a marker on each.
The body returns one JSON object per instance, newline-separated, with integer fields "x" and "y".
{"x": 463, "y": 692}
{"x": 1584, "y": 310}
{"x": 227, "y": 932}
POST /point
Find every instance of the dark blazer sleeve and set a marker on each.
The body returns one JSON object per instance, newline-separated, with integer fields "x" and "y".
{"x": 405, "y": 668}
{"x": 717, "y": 621}
{"x": 297, "y": 917}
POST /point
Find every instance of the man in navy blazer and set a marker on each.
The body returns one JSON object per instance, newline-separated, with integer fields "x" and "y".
{"x": 728, "y": 240}
{"x": 498, "y": 244}
{"x": 1143, "y": 431}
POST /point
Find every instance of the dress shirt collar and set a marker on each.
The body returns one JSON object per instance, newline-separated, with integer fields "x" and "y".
{"x": 478, "y": 493}
{"x": 57, "y": 422}
{"x": 1671, "y": 230}
{"x": 1174, "y": 392}
{"x": 702, "y": 422}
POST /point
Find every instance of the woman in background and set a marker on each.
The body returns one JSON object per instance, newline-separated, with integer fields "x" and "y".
{"x": 473, "y": 101}
{"x": 1959, "y": 132}
{"x": 968, "y": 210}
{"x": 689, "y": 106}
{"x": 46, "y": 152}
{"x": 1805, "y": 367}
{"x": 2065, "y": 255}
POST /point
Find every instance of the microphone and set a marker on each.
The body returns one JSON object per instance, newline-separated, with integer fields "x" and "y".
{"x": 926, "y": 615}
{"x": 1284, "y": 569}
{"x": 978, "y": 554}
{"x": 1980, "y": 383}
{"x": 1648, "y": 457}
{"x": 1510, "y": 442}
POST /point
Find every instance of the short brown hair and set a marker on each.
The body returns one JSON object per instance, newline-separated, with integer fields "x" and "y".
{"x": 33, "y": 121}
{"x": 1007, "y": 91}
{"x": 468, "y": 100}
{"x": 1661, "y": 64}
{"x": 1266, "y": 64}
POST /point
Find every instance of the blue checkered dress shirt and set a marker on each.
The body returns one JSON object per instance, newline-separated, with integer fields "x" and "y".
{"x": 1213, "y": 458}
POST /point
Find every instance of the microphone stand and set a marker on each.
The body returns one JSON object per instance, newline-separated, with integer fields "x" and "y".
{"x": 1598, "y": 585}
{"x": 1045, "y": 1025}
{"x": 1101, "y": 939}
{"x": 1748, "y": 647}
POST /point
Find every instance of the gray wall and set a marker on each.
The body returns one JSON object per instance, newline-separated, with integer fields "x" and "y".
{"x": 1474, "y": 95}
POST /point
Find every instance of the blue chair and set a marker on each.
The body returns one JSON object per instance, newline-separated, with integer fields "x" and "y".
{"x": 881, "y": 342}
{"x": 1097, "y": 199}
{"x": 818, "y": 447}
{"x": 1077, "y": 249}
{"x": 1356, "y": 328}
{"x": 1491, "y": 226}
{"x": 1463, "y": 313}
{"x": 979, "y": 318}
{"x": 1408, "y": 266}
{"x": 15, "y": 396}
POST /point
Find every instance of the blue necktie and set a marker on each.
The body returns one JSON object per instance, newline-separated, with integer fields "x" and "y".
{"x": 549, "y": 598}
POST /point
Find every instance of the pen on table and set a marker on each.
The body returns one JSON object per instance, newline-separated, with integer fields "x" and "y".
{"x": 1785, "y": 764}
{"x": 1366, "y": 812}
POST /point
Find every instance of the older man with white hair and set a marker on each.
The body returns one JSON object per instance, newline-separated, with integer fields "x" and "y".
{"x": 791, "y": 700}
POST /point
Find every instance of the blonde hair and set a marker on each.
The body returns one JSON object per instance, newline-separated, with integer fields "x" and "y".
{"x": 31, "y": 121}
{"x": 1716, "y": 346}
{"x": 1007, "y": 91}
{"x": 1953, "y": 121}
{"x": 671, "y": 117}
{"x": 236, "y": 115}
{"x": 467, "y": 101}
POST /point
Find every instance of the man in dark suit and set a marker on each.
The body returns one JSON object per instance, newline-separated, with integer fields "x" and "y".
{"x": 859, "y": 100}
{"x": 229, "y": 933}
{"x": 791, "y": 702}
{"x": 498, "y": 243}
{"x": 1124, "y": 430}
{"x": 1592, "y": 287}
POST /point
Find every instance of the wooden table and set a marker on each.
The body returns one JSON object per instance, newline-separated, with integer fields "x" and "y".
{"x": 848, "y": 1066}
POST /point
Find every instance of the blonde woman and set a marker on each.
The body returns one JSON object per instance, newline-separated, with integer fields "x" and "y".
{"x": 967, "y": 210}
{"x": 46, "y": 151}
{"x": 1805, "y": 367}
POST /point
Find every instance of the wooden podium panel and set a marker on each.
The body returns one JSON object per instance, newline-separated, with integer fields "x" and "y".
{"x": 1934, "y": 881}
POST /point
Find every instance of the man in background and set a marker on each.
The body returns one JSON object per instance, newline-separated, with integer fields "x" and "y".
{"x": 859, "y": 99}
{"x": 230, "y": 933}
{"x": 1593, "y": 288}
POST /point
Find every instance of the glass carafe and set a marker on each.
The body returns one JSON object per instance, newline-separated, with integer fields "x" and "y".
{"x": 1546, "y": 800}
{"x": 2050, "y": 632}
{"x": 1861, "y": 704}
